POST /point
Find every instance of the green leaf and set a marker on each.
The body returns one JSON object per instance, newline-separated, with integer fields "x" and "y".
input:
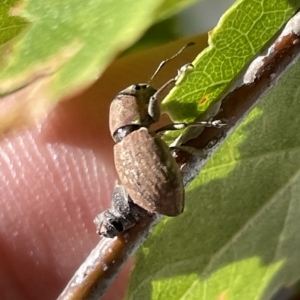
{"x": 170, "y": 7}
{"x": 10, "y": 25}
{"x": 74, "y": 41}
{"x": 241, "y": 33}
{"x": 238, "y": 237}
{"x": 239, "y": 234}
{"x": 67, "y": 45}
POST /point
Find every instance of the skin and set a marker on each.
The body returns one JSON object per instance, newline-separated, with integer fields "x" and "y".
{"x": 56, "y": 176}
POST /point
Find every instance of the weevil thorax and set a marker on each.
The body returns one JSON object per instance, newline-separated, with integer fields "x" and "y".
{"x": 129, "y": 110}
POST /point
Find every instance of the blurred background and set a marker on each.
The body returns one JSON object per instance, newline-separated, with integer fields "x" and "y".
{"x": 197, "y": 18}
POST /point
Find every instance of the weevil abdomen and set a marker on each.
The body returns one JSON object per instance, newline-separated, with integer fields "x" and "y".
{"x": 149, "y": 172}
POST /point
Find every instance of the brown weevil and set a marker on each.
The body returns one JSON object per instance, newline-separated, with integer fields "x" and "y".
{"x": 150, "y": 177}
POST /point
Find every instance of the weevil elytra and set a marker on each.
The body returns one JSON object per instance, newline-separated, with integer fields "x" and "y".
{"x": 151, "y": 179}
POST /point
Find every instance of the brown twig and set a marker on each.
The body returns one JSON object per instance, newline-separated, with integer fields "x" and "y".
{"x": 106, "y": 260}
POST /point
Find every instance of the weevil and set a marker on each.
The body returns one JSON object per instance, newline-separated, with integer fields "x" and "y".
{"x": 151, "y": 181}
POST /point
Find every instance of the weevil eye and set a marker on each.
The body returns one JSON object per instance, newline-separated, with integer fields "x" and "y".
{"x": 140, "y": 86}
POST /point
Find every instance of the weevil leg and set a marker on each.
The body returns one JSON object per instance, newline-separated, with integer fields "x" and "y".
{"x": 178, "y": 126}
{"x": 109, "y": 223}
{"x": 120, "y": 200}
{"x": 123, "y": 214}
{"x": 124, "y": 204}
{"x": 117, "y": 218}
{"x": 200, "y": 153}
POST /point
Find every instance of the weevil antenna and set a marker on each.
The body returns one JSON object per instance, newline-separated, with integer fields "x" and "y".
{"x": 168, "y": 59}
